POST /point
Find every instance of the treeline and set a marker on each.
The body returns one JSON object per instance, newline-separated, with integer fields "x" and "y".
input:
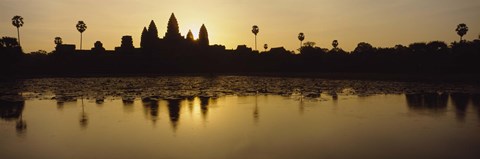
{"x": 432, "y": 57}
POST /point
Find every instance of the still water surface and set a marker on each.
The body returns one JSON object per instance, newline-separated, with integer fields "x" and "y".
{"x": 259, "y": 125}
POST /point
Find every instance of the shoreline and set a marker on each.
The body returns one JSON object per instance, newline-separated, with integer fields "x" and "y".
{"x": 406, "y": 77}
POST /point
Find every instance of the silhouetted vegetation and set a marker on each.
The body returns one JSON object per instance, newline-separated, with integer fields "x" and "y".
{"x": 462, "y": 29}
{"x": 17, "y": 21}
{"x": 81, "y": 27}
{"x": 335, "y": 44}
{"x": 301, "y": 37}
{"x": 175, "y": 53}
{"x": 255, "y": 30}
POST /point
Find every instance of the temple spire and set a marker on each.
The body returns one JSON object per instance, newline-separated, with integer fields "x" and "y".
{"x": 152, "y": 30}
{"x": 203, "y": 36}
{"x": 144, "y": 38}
{"x": 173, "y": 32}
{"x": 190, "y": 37}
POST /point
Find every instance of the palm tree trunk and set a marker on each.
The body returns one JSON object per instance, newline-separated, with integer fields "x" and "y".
{"x": 255, "y": 42}
{"x": 18, "y": 35}
{"x": 81, "y": 38}
{"x": 461, "y": 38}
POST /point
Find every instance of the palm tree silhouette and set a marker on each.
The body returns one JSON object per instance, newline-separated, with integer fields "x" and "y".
{"x": 255, "y": 31}
{"x": 265, "y": 46}
{"x": 335, "y": 44}
{"x": 462, "y": 29}
{"x": 301, "y": 37}
{"x": 81, "y": 27}
{"x": 58, "y": 40}
{"x": 17, "y": 21}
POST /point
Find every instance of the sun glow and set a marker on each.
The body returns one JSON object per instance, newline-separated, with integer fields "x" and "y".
{"x": 195, "y": 28}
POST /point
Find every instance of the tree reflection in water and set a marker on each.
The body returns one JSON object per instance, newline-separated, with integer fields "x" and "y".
{"x": 433, "y": 102}
{"x": 476, "y": 103}
{"x": 12, "y": 110}
{"x": 437, "y": 103}
{"x": 460, "y": 102}
{"x": 256, "y": 113}
{"x": 83, "y": 117}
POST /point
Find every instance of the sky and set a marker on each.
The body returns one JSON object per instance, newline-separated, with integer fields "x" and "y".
{"x": 382, "y": 23}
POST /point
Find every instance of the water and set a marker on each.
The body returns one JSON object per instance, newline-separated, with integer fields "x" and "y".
{"x": 237, "y": 117}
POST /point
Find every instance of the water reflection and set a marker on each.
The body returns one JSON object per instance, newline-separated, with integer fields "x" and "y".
{"x": 83, "y": 117}
{"x": 191, "y": 103}
{"x": 100, "y": 100}
{"x": 151, "y": 107}
{"x": 334, "y": 95}
{"x": 256, "y": 113}
{"x": 301, "y": 106}
{"x": 13, "y": 111}
{"x": 476, "y": 103}
{"x": 437, "y": 103}
{"x": 460, "y": 102}
{"x": 204, "y": 102}
{"x": 128, "y": 100}
{"x": 153, "y": 104}
{"x": 63, "y": 100}
{"x": 174, "y": 112}
{"x": 433, "y": 102}
{"x": 231, "y": 125}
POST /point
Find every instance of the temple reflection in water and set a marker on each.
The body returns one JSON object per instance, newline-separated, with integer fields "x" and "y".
{"x": 199, "y": 106}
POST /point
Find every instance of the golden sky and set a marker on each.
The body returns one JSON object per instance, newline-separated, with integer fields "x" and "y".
{"x": 382, "y": 23}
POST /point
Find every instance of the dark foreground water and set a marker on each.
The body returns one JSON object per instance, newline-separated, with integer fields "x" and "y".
{"x": 237, "y": 117}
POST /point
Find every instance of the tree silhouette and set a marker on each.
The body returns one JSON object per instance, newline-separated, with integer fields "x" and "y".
{"x": 17, "y": 21}
{"x": 335, "y": 44}
{"x": 203, "y": 36}
{"x": 58, "y": 41}
{"x": 81, "y": 27}
{"x": 265, "y": 46}
{"x": 364, "y": 48}
{"x": 462, "y": 29}
{"x": 436, "y": 47}
{"x": 301, "y": 37}
{"x": 9, "y": 42}
{"x": 418, "y": 48}
{"x": 310, "y": 44}
{"x": 255, "y": 31}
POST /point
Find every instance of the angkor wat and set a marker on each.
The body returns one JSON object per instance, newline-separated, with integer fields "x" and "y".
{"x": 175, "y": 53}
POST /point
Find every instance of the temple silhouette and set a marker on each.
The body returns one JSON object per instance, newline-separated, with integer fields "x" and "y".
{"x": 150, "y": 42}
{"x": 175, "y": 53}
